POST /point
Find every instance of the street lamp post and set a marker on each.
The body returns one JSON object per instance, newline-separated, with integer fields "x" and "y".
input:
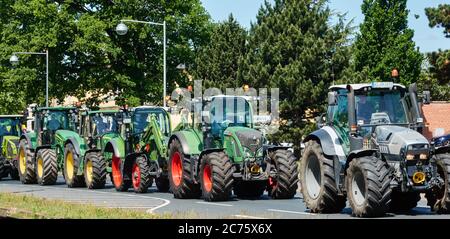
{"x": 15, "y": 60}
{"x": 122, "y": 29}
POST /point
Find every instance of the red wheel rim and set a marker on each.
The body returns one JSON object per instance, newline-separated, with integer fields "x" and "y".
{"x": 116, "y": 172}
{"x": 136, "y": 176}
{"x": 207, "y": 181}
{"x": 177, "y": 169}
{"x": 272, "y": 182}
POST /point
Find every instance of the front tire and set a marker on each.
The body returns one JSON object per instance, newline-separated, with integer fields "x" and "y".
{"x": 4, "y": 168}
{"x": 140, "y": 175}
{"x": 284, "y": 185}
{"x": 367, "y": 184}
{"x": 181, "y": 183}
{"x": 439, "y": 198}
{"x": 120, "y": 183}
{"x": 216, "y": 173}
{"x": 71, "y": 166}
{"x": 318, "y": 181}
{"x": 46, "y": 167}
{"x": 95, "y": 170}
{"x": 26, "y": 167}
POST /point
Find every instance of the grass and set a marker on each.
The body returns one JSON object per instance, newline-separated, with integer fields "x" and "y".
{"x": 29, "y": 207}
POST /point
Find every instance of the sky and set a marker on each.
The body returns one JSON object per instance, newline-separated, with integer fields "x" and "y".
{"x": 426, "y": 38}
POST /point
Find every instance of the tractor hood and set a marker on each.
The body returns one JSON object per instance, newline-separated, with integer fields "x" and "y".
{"x": 397, "y": 137}
{"x": 248, "y": 137}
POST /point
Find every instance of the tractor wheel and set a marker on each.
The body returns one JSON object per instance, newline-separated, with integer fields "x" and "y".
{"x": 249, "y": 189}
{"x": 27, "y": 172}
{"x": 284, "y": 184}
{"x": 318, "y": 182}
{"x": 4, "y": 168}
{"x": 14, "y": 174}
{"x": 95, "y": 170}
{"x": 71, "y": 165}
{"x": 140, "y": 175}
{"x": 181, "y": 183}
{"x": 118, "y": 179}
{"x": 439, "y": 198}
{"x": 403, "y": 202}
{"x": 216, "y": 176}
{"x": 46, "y": 167}
{"x": 367, "y": 184}
{"x": 162, "y": 183}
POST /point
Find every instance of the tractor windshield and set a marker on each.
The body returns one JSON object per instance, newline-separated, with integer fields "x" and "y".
{"x": 104, "y": 123}
{"x": 380, "y": 107}
{"x": 56, "y": 120}
{"x": 9, "y": 127}
{"x": 229, "y": 111}
{"x": 142, "y": 117}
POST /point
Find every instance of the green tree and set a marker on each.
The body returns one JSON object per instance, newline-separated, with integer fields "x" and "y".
{"x": 217, "y": 63}
{"x": 293, "y": 47}
{"x": 86, "y": 54}
{"x": 385, "y": 42}
{"x": 439, "y": 17}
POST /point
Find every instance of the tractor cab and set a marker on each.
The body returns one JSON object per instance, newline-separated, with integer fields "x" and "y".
{"x": 48, "y": 120}
{"x": 10, "y": 131}
{"x": 141, "y": 117}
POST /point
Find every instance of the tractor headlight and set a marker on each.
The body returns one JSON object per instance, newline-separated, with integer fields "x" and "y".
{"x": 410, "y": 157}
{"x": 423, "y": 156}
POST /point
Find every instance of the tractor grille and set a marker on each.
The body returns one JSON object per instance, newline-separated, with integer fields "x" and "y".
{"x": 250, "y": 139}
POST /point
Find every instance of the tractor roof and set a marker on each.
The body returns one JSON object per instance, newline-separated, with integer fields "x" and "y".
{"x": 103, "y": 111}
{"x": 10, "y": 116}
{"x": 373, "y": 85}
{"x": 247, "y": 98}
{"x": 59, "y": 108}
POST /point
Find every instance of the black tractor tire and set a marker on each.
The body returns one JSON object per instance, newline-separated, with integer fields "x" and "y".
{"x": 318, "y": 182}
{"x": 71, "y": 165}
{"x": 284, "y": 184}
{"x": 122, "y": 182}
{"x": 4, "y": 168}
{"x": 249, "y": 189}
{"x": 162, "y": 183}
{"x": 14, "y": 174}
{"x": 140, "y": 175}
{"x": 439, "y": 199}
{"x": 181, "y": 182}
{"x": 216, "y": 177}
{"x": 95, "y": 170}
{"x": 26, "y": 167}
{"x": 368, "y": 187}
{"x": 403, "y": 202}
{"x": 46, "y": 167}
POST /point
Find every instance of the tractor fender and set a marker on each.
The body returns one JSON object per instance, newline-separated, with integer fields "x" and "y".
{"x": 116, "y": 146}
{"x": 29, "y": 138}
{"x": 442, "y": 150}
{"x": 208, "y": 151}
{"x": 64, "y": 137}
{"x": 329, "y": 141}
{"x": 358, "y": 154}
{"x": 189, "y": 142}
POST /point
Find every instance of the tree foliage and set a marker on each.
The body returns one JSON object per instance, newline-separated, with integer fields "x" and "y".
{"x": 294, "y": 47}
{"x": 439, "y": 17}
{"x": 385, "y": 42}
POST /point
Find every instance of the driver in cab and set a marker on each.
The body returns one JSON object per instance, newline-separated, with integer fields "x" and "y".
{"x": 364, "y": 109}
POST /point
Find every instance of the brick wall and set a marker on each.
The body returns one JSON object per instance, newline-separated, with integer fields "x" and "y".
{"x": 436, "y": 115}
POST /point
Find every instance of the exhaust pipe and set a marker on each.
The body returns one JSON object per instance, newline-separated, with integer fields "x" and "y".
{"x": 351, "y": 110}
{"x": 413, "y": 95}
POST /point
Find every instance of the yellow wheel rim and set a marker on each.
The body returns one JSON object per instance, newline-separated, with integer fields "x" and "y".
{"x": 69, "y": 165}
{"x": 40, "y": 167}
{"x": 89, "y": 171}
{"x": 22, "y": 161}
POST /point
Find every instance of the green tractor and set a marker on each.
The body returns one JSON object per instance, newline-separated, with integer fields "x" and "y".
{"x": 136, "y": 153}
{"x": 370, "y": 150}
{"x": 223, "y": 152}
{"x": 45, "y": 150}
{"x": 10, "y": 131}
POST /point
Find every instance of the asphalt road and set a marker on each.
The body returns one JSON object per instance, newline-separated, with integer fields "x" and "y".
{"x": 155, "y": 202}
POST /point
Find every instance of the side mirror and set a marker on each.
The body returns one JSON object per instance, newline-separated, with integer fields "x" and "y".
{"x": 321, "y": 120}
{"x": 426, "y": 97}
{"x": 332, "y": 98}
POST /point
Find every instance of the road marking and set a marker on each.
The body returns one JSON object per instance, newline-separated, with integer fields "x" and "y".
{"x": 130, "y": 207}
{"x": 293, "y": 212}
{"x": 215, "y": 204}
{"x": 249, "y": 217}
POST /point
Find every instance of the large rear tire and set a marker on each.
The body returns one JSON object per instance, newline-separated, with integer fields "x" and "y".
{"x": 249, "y": 189}
{"x": 284, "y": 184}
{"x": 46, "y": 167}
{"x": 26, "y": 167}
{"x": 121, "y": 184}
{"x": 403, "y": 202}
{"x": 439, "y": 198}
{"x": 318, "y": 181}
{"x": 181, "y": 183}
{"x": 368, "y": 187}
{"x": 95, "y": 170}
{"x": 140, "y": 175}
{"x": 216, "y": 173}
{"x": 71, "y": 166}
